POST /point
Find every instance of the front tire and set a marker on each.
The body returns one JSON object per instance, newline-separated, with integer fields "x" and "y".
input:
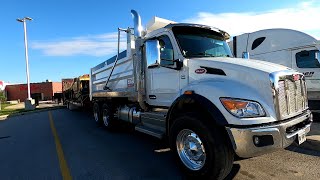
{"x": 202, "y": 151}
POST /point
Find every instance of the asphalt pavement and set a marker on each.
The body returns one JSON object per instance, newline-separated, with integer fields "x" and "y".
{"x": 63, "y": 144}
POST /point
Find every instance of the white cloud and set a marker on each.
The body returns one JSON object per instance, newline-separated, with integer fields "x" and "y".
{"x": 97, "y": 45}
{"x": 303, "y": 17}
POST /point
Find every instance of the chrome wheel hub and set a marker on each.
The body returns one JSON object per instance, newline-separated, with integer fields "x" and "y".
{"x": 96, "y": 117}
{"x": 190, "y": 149}
{"x": 105, "y": 118}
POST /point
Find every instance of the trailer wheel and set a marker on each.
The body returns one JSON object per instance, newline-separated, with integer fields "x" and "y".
{"x": 97, "y": 113}
{"x": 202, "y": 151}
{"x": 107, "y": 116}
{"x": 71, "y": 107}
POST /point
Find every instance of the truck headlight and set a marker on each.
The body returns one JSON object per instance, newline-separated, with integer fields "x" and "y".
{"x": 243, "y": 108}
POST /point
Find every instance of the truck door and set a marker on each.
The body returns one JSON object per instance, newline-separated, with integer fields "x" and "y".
{"x": 305, "y": 61}
{"x": 162, "y": 79}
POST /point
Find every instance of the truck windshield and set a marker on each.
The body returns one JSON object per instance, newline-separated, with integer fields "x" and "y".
{"x": 200, "y": 42}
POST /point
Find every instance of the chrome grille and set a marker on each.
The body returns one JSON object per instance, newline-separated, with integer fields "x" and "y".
{"x": 291, "y": 96}
{"x": 299, "y": 96}
{"x": 282, "y": 97}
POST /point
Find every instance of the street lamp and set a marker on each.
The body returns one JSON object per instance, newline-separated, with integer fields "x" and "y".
{"x": 29, "y": 102}
{"x": 24, "y": 20}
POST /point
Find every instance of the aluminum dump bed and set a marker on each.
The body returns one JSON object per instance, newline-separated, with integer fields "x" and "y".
{"x": 121, "y": 82}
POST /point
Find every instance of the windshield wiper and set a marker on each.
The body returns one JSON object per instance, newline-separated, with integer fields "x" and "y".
{"x": 201, "y": 54}
{"x": 224, "y": 55}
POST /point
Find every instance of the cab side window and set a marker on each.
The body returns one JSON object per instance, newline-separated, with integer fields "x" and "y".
{"x": 166, "y": 51}
{"x": 307, "y": 59}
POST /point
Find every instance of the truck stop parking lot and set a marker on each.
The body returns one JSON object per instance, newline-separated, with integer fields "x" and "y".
{"x": 63, "y": 144}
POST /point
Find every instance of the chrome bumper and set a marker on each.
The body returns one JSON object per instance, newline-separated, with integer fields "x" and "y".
{"x": 243, "y": 138}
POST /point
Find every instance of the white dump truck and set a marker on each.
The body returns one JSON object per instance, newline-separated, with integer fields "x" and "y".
{"x": 179, "y": 81}
{"x": 287, "y": 47}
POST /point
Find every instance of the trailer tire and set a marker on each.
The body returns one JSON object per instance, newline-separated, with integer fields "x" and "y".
{"x": 108, "y": 116}
{"x": 97, "y": 113}
{"x": 70, "y": 106}
{"x": 202, "y": 151}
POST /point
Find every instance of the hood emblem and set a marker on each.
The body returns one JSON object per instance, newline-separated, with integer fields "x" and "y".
{"x": 200, "y": 71}
{"x": 296, "y": 77}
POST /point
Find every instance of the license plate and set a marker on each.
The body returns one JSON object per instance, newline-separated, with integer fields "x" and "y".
{"x": 302, "y": 137}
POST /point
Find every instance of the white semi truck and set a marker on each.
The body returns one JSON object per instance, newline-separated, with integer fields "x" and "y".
{"x": 287, "y": 47}
{"x": 179, "y": 81}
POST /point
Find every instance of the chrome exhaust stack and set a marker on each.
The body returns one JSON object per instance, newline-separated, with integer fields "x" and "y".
{"x": 136, "y": 24}
{"x": 137, "y": 60}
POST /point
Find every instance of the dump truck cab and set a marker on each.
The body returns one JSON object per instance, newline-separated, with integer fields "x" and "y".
{"x": 180, "y": 81}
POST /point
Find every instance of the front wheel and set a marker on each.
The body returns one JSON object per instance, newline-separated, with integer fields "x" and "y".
{"x": 202, "y": 151}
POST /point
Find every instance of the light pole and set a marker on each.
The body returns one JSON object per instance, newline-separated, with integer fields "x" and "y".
{"x": 23, "y": 20}
{"x": 28, "y": 103}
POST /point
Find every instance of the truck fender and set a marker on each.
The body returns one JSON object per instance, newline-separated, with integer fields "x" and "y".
{"x": 183, "y": 104}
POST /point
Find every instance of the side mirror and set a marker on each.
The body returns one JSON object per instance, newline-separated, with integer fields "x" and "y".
{"x": 246, "y": 55}
{"x": 152, "y": 53}
{"x": 178, "y": 64}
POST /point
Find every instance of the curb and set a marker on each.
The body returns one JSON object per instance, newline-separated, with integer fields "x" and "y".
{"x": 4, "y": 117}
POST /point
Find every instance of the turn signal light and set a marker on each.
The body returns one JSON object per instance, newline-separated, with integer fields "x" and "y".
{"x": 243, "y": 108}
{"x": 188, "y": 92}
{"x": 231, "y": 104}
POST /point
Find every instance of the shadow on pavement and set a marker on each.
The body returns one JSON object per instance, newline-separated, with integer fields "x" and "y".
{"x": 310, "y": 147}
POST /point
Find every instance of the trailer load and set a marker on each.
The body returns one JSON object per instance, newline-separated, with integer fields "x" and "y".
{"x": 76, "y": 92}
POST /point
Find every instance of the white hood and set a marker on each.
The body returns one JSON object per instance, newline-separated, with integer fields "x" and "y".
{"x": 223, "y": 62}
{"x": 244, "y": 74}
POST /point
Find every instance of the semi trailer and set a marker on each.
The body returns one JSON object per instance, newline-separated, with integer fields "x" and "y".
{"x": 180, "y": 81}
{"x": 287, "y": 47}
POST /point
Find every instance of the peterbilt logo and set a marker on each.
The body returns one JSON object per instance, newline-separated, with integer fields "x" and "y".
{"x": 200, "y": 71}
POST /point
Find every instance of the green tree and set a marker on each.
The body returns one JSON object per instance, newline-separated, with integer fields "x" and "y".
{"x": 2, "y": 98}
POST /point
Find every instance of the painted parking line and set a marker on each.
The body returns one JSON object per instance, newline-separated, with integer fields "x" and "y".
{"x": 62, "y": 161}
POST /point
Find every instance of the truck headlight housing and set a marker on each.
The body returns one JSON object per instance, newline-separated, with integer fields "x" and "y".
{"x": 243, "y": 108}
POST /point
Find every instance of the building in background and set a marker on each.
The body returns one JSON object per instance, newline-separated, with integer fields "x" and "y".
{"x": 40, "y": 91}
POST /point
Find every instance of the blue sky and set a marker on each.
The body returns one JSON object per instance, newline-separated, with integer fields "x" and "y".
{"x": 68, "y": 37}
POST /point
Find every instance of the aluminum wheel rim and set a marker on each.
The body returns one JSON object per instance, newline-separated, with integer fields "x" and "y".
{"x": 190, "y": 149}
{"x": 95, "y": 114}
{"x": 105, "y": 118}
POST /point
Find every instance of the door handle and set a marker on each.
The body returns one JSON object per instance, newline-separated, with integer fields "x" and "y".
{"x": 152, "y": 97}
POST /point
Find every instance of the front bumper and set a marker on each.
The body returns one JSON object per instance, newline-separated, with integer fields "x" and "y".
{"x": 278, "y": 136}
